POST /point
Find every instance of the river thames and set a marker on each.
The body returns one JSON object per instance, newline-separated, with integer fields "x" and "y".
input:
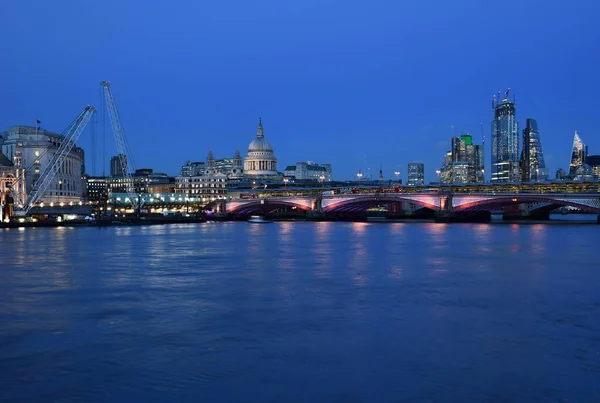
{"x": 301, "y": 312}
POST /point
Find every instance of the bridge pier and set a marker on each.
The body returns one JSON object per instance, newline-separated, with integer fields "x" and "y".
{"x": 526, "y": 216}
{"x": 519, "y": 212}
{"x": 463, "y": 216}
{"x": 447, "y": 214}
{"x": 403, "y": 210}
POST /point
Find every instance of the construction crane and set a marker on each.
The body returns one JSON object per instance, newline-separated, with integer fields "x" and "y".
{"x": 121, "y": 144}
{"x": 57, "y": 160}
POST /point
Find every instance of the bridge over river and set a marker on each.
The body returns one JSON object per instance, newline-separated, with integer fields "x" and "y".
{"x": 440, "y": 203}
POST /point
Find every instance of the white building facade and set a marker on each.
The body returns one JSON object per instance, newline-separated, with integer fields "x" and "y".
{"x": 37, "y": 148}
{"x": 309, "y": 171}
{"x": 210, "y": 183}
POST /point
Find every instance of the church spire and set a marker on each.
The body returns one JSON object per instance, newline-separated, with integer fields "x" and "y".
{"x": 259, "y": 131}
{"x": 210, "y": 160}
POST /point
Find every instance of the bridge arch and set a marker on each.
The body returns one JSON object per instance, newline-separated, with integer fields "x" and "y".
{"x": 264, "y": 206}
{"x": 365, "y": 202}
{"x": 590, "y": 204}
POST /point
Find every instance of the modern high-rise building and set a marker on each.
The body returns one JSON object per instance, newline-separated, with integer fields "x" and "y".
{"x": 416, "y": 174}
{"x": 464, "y": 162}
{"x": 578, "y": 155}
{"x": 192, "y": 168}
{"x": 533, "y": 166}
{"x": 116, "y": 170}
{"x": 505, "y": 142}
{"x": 594, "y": 162}
{"x": 560, "y": 174}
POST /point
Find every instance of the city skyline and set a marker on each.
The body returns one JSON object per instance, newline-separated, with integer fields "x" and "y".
{"x": 109, "y": 168}
{"x": 358, "y": 99}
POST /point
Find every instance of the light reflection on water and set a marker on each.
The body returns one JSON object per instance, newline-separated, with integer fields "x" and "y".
{"x": 361, "y": 247}
{"x": 240, "y": 312}
{"x": 323, "y": 250}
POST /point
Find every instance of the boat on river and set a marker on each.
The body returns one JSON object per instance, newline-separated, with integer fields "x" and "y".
{"x": 257, "y": 219}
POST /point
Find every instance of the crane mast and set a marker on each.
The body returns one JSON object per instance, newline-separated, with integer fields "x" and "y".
{"x": 57, "y": 160}
{"x": 120, "y": 143}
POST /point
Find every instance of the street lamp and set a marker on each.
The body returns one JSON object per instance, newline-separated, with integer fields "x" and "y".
{"x": 397, "y": 173}
{"x": 321, "y": 179}
{"x": 438, "y": 172}
{"x": 359, "y": 175}
{"x": 537, "y": 174}
{"x": 483, "y": 176}
{"x": 285, "y": 181}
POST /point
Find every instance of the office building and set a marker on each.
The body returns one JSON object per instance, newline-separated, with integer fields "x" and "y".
{"x": 505, "y": 142}
{"x": 416, "y": 174}
{"x": 463, "y": 164}
{"x": 33, "y": 149}
{"x": 117, "y": 169}
{"x": 308, "y": 171}
{"x": 578, "y": 155}
{"x": 533, "y": 166}
{"x": 594, "y": 162}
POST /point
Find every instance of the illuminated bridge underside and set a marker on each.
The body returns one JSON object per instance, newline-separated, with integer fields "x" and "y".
{"x": 253, "y": 206}
{"x": 363, "y": 202}
{"x": 588, "y": 202}
{"x": 468, "y": 203}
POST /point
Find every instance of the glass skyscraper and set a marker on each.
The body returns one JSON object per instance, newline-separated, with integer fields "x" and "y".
{"x": 416, "y": 174}
{"x": 463, "y": 163}
{"x": 578, "y": 155}
{"x": 505, "y": 142}
{"x": 533, "y": 166}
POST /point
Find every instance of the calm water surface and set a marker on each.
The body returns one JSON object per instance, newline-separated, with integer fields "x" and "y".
{"x": 301, "y": 312}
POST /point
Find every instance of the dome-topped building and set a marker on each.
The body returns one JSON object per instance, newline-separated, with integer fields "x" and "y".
{"x": 261, "y": 159}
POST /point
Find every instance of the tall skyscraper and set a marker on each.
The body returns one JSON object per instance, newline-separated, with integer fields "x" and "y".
{"x": 463, "y": 163}
{"x": 578, "y": 155}
{"x": 533, "y": 166}
{"x": 505, "y": 141}
{"x": 416, "y": 174}
{"x": 116, "y": 170}
{"x": 479, "y": 163}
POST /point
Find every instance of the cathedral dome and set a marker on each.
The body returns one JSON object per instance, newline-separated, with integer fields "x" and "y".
{"x": 260, "y": 144}
{"x": 261, "y": 158}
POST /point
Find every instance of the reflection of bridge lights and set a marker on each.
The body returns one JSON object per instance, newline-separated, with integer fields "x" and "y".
{"x": 538, "y": 228}
{"x": 514, "y": 199}
{"x": 322, "y": 228}
{"x": 285, "y": 228}
{"x": 482, "y": 229}
{"x": 359, "y": 227}
{"x": 436, "y": 228}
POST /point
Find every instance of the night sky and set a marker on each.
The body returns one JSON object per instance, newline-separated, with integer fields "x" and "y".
{"x": 357, "y": 84}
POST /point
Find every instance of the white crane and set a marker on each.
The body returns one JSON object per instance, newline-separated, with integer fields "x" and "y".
{"x": 57, "y": 160}
{"x": 121, "y": 145}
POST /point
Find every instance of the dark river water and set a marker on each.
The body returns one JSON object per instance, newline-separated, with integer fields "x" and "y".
{"x": 301, "y": 312}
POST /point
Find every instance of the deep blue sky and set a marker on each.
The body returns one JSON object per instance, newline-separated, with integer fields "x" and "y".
{"x": 353, "y": 83}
